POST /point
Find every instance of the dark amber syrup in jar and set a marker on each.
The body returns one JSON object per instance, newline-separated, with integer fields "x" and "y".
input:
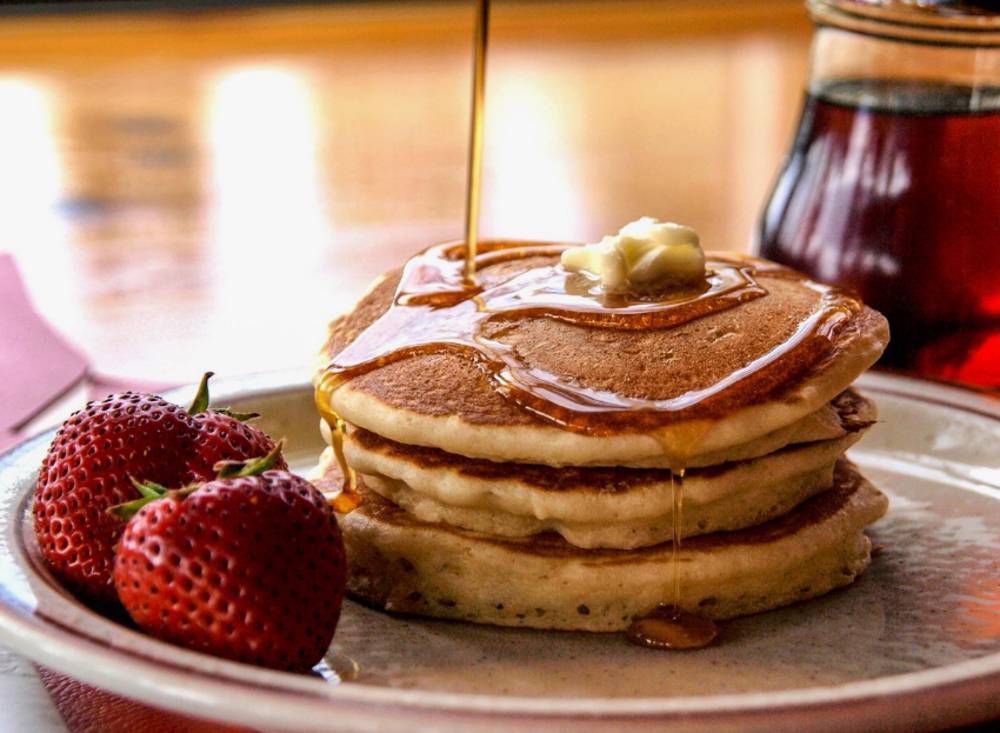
{"x": 892, "y": 189}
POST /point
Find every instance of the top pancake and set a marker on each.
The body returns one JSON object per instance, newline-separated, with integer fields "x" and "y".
{"x": 444, "y": 400}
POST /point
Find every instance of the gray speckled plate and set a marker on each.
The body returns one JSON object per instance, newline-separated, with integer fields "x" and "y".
{"x": 914, "y": 645}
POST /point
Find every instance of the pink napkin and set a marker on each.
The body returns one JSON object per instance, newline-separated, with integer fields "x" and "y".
{"x": 36, "y": 364}
{"x": 7, "y": 439}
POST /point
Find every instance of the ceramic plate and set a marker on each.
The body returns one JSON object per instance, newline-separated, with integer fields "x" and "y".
{"x": 915, "y": 644}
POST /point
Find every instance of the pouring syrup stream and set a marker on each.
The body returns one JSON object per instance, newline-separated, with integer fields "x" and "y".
{"x": 475, "y": 166}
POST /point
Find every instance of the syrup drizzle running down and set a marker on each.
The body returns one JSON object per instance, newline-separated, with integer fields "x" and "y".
{"x": 670, "y": 626}
{"x": 348, "y": 498}
{"x": 677, "y": 501}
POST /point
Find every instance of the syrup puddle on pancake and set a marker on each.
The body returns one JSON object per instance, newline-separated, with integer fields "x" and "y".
{"x": 435, "y": 310}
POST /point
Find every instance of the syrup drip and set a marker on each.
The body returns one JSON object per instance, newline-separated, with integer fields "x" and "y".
{"x": 436, "y": 310}
{"x": 349, "y": 498}
{"x": 677, "y": 500}
{"x": 670, "y": 626}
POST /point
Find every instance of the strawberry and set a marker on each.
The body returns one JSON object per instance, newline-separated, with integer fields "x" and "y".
{"x": 223, "y": 435}
{"x": 249, "y": 567}
{"x": 87, "y": 470}
{"x": 97, "y": 452}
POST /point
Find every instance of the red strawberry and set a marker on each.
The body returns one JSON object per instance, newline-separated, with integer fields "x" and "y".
{"x": 87, "y": 470}
{"x": 99, "y": 450}
{"x": 249, "y": 568}
{"x": 223, "y": 436}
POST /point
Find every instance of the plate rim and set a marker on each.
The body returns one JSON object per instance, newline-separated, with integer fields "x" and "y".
{"x": 965, "y": 685}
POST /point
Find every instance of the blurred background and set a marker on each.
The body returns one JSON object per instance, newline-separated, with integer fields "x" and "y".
{"x": 189, "y": 186}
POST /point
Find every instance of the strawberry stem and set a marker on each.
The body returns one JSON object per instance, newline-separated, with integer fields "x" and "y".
{"x": 241, "y": 416}
{"x": 149, "y": 489}
{"x": 200, "y": 402}
{"x": 202, "y": 399}
{"x": 130, "y": 508}
{"x": 252, "y": 466}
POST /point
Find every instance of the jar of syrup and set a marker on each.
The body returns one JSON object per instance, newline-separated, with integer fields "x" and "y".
{"x": 892, "y": 185}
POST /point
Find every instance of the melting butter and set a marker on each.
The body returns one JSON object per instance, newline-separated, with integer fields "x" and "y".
{"x": 645, "y": 255}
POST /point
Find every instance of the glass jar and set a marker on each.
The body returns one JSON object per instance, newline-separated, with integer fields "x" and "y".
{"x": 892, "y": 184}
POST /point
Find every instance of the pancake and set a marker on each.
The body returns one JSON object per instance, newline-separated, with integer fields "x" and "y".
{"x": 826, "y": 423}
{"x": 757, "y": 504}
{"x": 401, "y": 564}
{"x": 600, "y": 507}
{"x": 444, "y": 400}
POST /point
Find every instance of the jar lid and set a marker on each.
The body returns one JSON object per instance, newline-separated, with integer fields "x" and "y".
{"x": 939, "y": 22}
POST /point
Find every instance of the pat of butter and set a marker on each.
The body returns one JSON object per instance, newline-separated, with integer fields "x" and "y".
{"x": 645, "y": 255}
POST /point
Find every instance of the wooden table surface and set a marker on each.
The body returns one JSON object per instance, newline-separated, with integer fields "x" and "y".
{"x": 204, "y": 190}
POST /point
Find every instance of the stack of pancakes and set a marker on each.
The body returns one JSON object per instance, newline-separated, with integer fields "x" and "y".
{"x": 476, "y": 508}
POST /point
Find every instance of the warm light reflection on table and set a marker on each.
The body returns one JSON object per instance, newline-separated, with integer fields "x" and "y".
{"x": 202, "y": 190}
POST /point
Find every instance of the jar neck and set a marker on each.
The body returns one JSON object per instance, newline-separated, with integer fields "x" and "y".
{"x": 963, "y": 23}
{"x": 877, "y": 71}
